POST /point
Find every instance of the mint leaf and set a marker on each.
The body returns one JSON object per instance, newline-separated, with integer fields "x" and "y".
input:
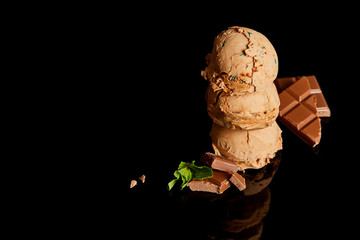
{"x": 185, "y": 176}
{"x": 188, "y": 172}
{"x": 200, "y": 172}
{"x": 182, "y": 165}
{"x": 171, "y": 184}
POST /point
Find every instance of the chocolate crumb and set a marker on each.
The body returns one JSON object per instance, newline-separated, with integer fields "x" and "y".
{"x": 142, "y": 178}
{"x": 133, "y": 183}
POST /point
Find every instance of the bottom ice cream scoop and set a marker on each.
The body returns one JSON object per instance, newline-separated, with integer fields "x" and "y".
{"x": 248, "y": 149}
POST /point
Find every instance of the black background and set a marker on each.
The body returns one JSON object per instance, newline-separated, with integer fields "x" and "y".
{"x": 165, "y": 121}
{"x": 150, "y": 114}
{"x": 115, "y": 92}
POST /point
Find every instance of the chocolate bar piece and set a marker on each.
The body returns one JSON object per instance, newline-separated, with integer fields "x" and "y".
{"x": 299, "y": 112}
{"x": 282, "y": 83}
{"x": 238, "y": 181}
{"x": 322, "y": 107}
{"x": 219, "y": 162}
{"x": 217, "y": 184}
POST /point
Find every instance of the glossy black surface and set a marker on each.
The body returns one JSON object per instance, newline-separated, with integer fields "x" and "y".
{"x": 310, "y": 195}
{"x": 304, "y": 199}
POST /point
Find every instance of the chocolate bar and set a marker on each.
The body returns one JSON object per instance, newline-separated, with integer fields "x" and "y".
{"x": 219, "y": 162}
{"x": 238, "y": 181}
{"x": 299, "y": 111}
{"x": 217, "y": 184}
{"x": 322, "y": 107}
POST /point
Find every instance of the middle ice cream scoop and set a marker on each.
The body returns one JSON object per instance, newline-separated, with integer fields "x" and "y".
{"x": 249, "y": 111}
{"x": 242, "y": 61}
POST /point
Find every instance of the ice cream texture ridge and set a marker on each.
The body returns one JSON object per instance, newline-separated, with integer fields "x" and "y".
{"x": 242, "y": 99}
{"x": 249, "y": 111}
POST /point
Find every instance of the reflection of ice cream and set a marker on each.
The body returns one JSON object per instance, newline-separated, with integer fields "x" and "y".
{"x": 241, "y": 216}
{"x": 242, "y": 61}
{"x": 248, "y": 149}
{"x": 249, "y": 111}
{"x": 258, "y": 179}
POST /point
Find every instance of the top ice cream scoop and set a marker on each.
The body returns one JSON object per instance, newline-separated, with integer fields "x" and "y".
{"x": 242, "y": 61}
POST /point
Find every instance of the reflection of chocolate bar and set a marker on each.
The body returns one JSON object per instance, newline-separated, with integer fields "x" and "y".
{"x": 217, "y": 184}
{"x": 219, "y": 162}
{"x": 315, "y": 90}
{"x": 299, "y": 111}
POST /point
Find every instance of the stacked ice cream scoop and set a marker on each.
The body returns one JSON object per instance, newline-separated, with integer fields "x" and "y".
{"x": 242, "y": 99}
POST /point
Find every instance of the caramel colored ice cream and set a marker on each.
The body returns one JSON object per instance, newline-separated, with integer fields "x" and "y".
{"x": 242, "y": 99}
{"x": 249, "y": 111}
{"x": 242, "y": 61}
{"x": 248, "y": 149}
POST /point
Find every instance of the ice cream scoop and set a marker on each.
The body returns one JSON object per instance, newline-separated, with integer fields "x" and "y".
{"x": 249, "y": 111}
{"x": 248, "y": 149}
{"x": 242, "y": 61}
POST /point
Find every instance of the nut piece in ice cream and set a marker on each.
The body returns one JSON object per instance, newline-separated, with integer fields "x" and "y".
{"x": 248, "y": 149}
{"x": 242, "y": 61}
{"x": 250, "y": 111}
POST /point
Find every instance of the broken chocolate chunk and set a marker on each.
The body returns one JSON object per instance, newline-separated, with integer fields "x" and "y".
{"x": 219, "y": 162}
{"x": 238, "y": 181}
{"x": 217, "y": 184}
{"x": 299, "y": 112}
{"x": 142, "y": 178}
{"x": 323, "y": 109}
{"x": 133, "y": 183}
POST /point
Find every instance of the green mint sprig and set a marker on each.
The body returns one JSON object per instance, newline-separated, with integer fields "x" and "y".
{"x": 189, "y": 171}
